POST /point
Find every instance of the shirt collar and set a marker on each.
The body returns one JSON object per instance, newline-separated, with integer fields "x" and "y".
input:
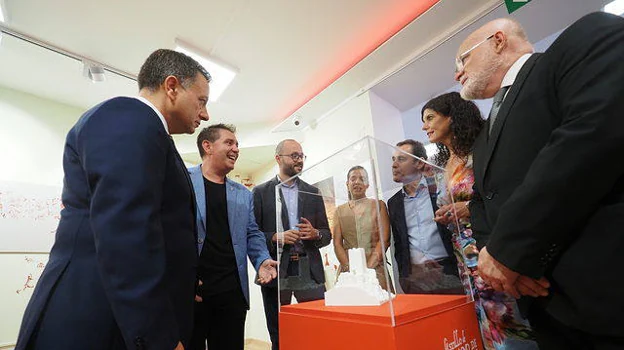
{"x": 421, "y": 185}
{"x": 293, "y": 185}
{"x": 162, "y": 118}
{"x": 513, "y": 71}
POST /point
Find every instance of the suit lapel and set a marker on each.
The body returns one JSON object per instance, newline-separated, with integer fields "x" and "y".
{"x": 479, "y": 154}
{"x": 231, "y": 195}
{"x": 200, "y": 194}
{"x": 401, "y": 221}
{"x": 509, "y": 101}
{"x": 301, "y": 198}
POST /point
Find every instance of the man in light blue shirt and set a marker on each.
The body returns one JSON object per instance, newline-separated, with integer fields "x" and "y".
{"x": 423, "y": 249}
{"x": 302, "y": 229}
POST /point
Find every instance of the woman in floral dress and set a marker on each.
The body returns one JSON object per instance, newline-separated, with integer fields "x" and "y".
{"x": 453, "y": 124}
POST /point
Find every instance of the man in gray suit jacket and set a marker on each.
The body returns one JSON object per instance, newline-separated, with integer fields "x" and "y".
{"x": 227, "y": 233}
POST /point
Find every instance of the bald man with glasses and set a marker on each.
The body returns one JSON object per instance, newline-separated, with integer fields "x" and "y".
{"x": 304, "y": 230}
{"x": 549, "y": 189}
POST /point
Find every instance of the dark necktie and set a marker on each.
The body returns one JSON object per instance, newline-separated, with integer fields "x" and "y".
{"x": 496, "y": 105}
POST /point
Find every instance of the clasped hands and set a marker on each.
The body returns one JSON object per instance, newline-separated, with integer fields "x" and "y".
{"x": 503, "y": 279}
{"x": 304, "y": 231}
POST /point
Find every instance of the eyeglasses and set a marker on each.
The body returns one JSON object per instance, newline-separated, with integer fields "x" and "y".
{"x": 459, "y": 61}
{"x": 294, "y": 156}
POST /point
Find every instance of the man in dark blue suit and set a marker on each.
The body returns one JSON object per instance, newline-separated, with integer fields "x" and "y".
{"x": 121, "y": 274}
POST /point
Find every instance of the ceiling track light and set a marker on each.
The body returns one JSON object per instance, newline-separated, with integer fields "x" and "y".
{"x": 615, "y": 7}
{"x": 93, "y": 72}
{"x": 10, "y": 32}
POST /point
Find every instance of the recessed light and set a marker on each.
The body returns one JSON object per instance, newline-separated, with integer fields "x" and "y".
{"x": 222, "y": 74}
{"x": 4, "y": 13}
{"x": 615, "y": 7}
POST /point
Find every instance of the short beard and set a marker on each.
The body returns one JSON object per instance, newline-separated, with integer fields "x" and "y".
{"x": 474, "y": 89}
{"x": 290, "y": 171}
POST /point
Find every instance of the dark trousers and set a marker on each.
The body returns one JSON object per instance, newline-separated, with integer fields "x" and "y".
{"x": 554, "y": 335}
{"x": 220, "y": 320}
{"x": 271, "y": 310}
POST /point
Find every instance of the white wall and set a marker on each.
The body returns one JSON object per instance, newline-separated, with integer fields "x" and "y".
{"x": 387, "y": 120}
{"x": 32, "y": 137}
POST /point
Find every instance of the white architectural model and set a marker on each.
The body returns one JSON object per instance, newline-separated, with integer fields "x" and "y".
{"x": 359, "y": 286}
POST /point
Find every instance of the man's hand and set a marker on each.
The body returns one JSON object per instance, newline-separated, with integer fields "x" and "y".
{"x": 445, "y": 214}
{"x": 497, "y": 275}
{"x": 197, "y": 297}
{"x": 306, "y": 231}
{"x": 179, "y": 346}
{"x": 287, "y": 237}
{"x": 532, "y": 287}
{"x": 267, "y": 271}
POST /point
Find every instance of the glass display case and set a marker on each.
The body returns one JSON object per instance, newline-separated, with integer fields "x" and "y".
{"x": 367, "y": 224}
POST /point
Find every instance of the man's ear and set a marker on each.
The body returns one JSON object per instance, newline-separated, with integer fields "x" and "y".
{"x": 501, "y": 41}
{"x": 420, "y": 165}
{"x": 172, "y": 85}
{"x": 207, "y": 146}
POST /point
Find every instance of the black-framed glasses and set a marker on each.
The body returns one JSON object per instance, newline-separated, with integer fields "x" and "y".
{"x": 294, "y": 156}
{"x": 459, "y": 60}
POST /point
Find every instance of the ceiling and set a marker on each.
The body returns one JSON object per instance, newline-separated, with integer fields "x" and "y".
{"x": 285, "y": 51}
{"x": 296, "y": 59}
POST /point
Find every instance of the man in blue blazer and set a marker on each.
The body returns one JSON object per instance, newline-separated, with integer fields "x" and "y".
{"x": 121, "y": 274}
{"x": 227, "y": 234}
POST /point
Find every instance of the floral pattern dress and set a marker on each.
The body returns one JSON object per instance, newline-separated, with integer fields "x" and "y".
{"x": 500, "y": 322}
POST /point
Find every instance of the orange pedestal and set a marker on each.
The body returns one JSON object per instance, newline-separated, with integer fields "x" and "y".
{"x": 445, "y": 322}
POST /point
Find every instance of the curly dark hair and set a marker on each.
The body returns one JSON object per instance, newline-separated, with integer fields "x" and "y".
{"x": 466, "y": 123}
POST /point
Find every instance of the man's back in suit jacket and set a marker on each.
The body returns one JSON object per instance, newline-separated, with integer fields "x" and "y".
{"x": 121, "y": 273}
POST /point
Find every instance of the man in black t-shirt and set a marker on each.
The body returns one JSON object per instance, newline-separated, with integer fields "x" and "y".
{"x": 227, "y": 234}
